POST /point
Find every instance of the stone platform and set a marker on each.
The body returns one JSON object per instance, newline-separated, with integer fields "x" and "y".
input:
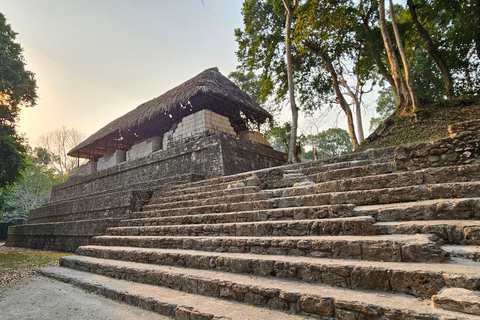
{"x": 86, "y": 206}
{"x": 383, "y": 234}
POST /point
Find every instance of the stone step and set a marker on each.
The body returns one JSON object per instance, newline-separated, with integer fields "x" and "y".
{"x": 298, "y": 298}
{"x": 278, "y": 214}
{"x": 208, "y": 209}
{"x": 419, "y": 279}
{"x": 352, "y": 159}
{"x": 465, "y": 173}
{"x": 227, "y": 182}
{"x": 249, "y": 197}
{"x": 437, "y": 209}
{"x": 397, "y": 248}
{"x": 205, "y": 195}
{"x": 360, "y": 198}
{"x": 463, "y": 252}
{"x": 287, "y": 182}
{"x": 297, "y": 189}
{"x": 313, "y": 169}
{"x": 337, "y": 172}
{"x": 462, "y": 232}
{"x": 58, "y": 236}
{"x": 384, "y": 196}
{"x": 169, "y": 302}
{"x": 310, "y": 227}
{"x": 458, "y": 299}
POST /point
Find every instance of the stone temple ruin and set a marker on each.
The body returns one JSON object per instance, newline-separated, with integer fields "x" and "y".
{"x": 196, "y": 230}
{"x": 195, "y": 131}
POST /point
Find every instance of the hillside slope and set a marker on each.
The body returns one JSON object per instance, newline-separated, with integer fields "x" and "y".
{"x": 431, "y": 122}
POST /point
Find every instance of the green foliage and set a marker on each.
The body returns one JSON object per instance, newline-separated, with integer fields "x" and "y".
{"x": 279, "y": 136}
{"x": 347, "y": 33}
{"x": 249, "y": 83}
{"x": 329, "y": 143}
{"x": 386, "y": 104}
{"x": 427, "y": 80}
{"x": 33, "y": 190}
{"x": 262, "y": 45}
{"x": 17, "y": 89}
{"x": 12, "y": 155}
{"x": 451, "y": 26}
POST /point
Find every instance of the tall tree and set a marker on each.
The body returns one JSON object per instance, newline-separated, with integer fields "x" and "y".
{"x": 432, "y": 50}
{"x": 476, "y": 24}
{"x": 325, "y": 31}
{"x": 17, "y": 89}
{"x": 356, "y": 93}
{"x": 291, "y": 8}
{"x": 57, "y": 143}
{"x": 403, "y": 55}
{"x": 403, "y": 94}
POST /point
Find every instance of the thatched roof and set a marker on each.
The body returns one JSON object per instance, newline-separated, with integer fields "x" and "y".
{"x": 208, "y": 90}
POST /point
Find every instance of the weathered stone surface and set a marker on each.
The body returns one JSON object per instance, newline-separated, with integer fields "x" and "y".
{"x": 458, "y": 299}
{"x": 317, "y": 305}
{"x": 289, "y": 238}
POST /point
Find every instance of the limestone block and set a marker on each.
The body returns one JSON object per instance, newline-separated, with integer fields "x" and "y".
{"x": 84, "y": 170}
{"x": 144, "y": 148}
{"x": 253, "y": 136}
{"x": 196, "y": 126}
{"x": 458, "y": 299}
{"x": 111, "y": 159}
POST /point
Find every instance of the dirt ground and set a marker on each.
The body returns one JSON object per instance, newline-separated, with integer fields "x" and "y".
{"x": 41, "y": 298}
{"x": 26, "y": 295}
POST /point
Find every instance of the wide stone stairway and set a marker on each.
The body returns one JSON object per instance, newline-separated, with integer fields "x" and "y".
{"x": 384, "y": 234}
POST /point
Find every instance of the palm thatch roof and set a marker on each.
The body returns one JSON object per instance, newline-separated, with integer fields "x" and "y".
{"x": 208, "y": 90}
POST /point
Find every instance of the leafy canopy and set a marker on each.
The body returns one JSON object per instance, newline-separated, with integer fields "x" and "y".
{"x": 329, "y": 143}
{"x": 17, "y": 89}
{"x": 33, "y": 190}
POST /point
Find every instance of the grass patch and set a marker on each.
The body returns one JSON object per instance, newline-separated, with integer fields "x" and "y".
{"x": 19, "y": 263}
{"x": 12, "y": 260}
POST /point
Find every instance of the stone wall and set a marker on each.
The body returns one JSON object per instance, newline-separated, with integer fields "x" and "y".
{"x": 87, "y": 169}
{"x": 202, "y": 158}
{"x": 85, "y": 206}
{"x": 196, "y": 126}
{"x": 111, "y": 159}
{"x": 109, "y": 205}
{"x": 462, "y": 147}
{"x": 58, "y": 236}
{"x": 253, "y": 136}
{"x": 144, "y": 148}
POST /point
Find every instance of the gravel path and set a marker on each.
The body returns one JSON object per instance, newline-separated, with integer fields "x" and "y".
{"x": 41, "y": 298}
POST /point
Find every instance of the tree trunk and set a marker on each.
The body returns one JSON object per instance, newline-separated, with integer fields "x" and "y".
{"x": 433, "y": 51}
{"x": 406, "y": 67}
{"x": 358, "y": 111}
{"x": 336, "y": 86}
{"x": 476, "y": 19}
{"x": 404, "y": 99}
{"x": 357, "y": 100}
{"x": 288, "y": 51}
{"x": 376, "y": 56}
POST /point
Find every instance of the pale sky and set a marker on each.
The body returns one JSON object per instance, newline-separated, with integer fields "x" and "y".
{"x": 95, "y": 60}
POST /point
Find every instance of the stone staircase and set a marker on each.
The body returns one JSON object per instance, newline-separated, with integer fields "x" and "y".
{"x": 363, "y": 236}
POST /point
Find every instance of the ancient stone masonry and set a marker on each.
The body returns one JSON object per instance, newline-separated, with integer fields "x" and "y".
{"x": 370, "y": 235}
{"x": 103, "y": 198}
{"x": 182, "y": 140}
{"x": 461, "y": 147}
